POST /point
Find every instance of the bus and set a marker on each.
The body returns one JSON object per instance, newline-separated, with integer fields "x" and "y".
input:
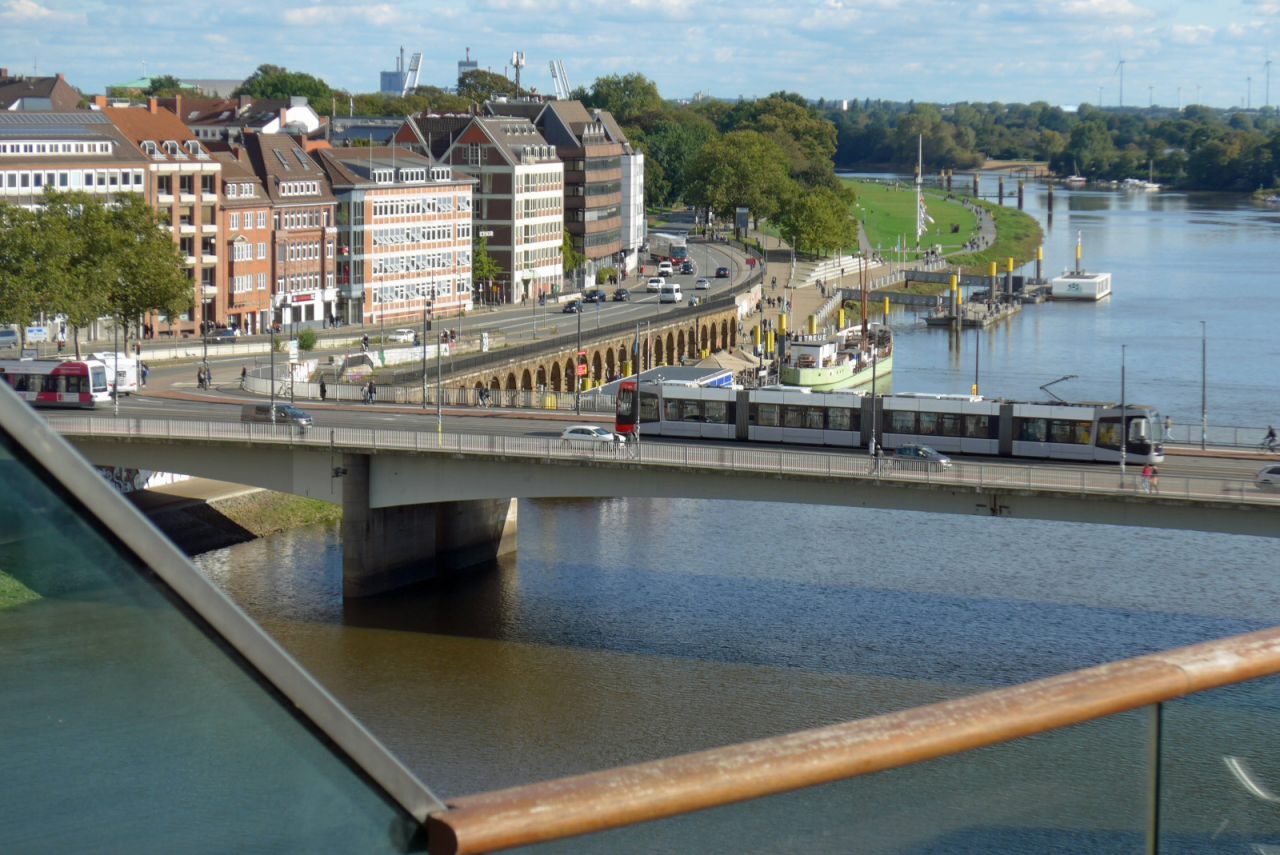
{"x": 52, "y": 383}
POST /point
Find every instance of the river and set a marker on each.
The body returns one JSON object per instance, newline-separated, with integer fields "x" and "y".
{"x": 627, "y": 630}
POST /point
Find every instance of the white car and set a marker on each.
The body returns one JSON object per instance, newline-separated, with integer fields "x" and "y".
{"x": 655, "y": 284}
{"x": 590, "y": 434}
{"x": 403, "y": 335}
{"x": 665, "y": 268}
{"x": 703, "y": 284}
{"x": 1268, "y": 477}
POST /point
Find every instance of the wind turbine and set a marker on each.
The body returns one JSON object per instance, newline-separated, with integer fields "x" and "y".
{"x": 1120, "y": 70}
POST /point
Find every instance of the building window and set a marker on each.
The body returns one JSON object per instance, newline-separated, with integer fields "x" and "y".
{"x": 235, "y": 221}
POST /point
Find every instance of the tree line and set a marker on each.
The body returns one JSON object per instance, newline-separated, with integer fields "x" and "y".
{"x": 80, "y": 258}
{"x": 1196, "y": 148}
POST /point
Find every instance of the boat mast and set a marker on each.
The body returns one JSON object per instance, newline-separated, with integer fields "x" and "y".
{"x": 919, "y": 191}
{"x": 1079, "y": 250}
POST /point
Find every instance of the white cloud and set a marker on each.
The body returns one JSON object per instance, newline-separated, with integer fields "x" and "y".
{"x": 28, "y": 12}
{"x": 1184, "y": 34}
{"x": 377, "y": 14}
{"x": 1105, "y": 9}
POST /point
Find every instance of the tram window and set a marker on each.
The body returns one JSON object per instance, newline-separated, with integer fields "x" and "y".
{"x": 978, "y": 427}
{"x": 952, "y": 424}
{"x": 1108, "y": 433}
{"x": 74, "y": 385}
{"x": 812, "y": 417}
{"x": 1030, "y": 430}
{"x": 842, "y": 418}
{"x": 19, "y": 382}
{"x": 648, "y": 407}
{"x": 765, "y": 415}
{"x": 1069, "y": 432}
{"x": 715, "y": 412}
{"x": 671, "y": 410}
{"x": 51, "y": 384}
{"x": 901, "y": 421}
{"x": 793, "y": 417}
{"x": 691, "y": 411}
{"x": 929, "y": 424}
{"x": 626, "y": 403}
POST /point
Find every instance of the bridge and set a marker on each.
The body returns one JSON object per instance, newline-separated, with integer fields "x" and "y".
{"x": 418, "y": 502}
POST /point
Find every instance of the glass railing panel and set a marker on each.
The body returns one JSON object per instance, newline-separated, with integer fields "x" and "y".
{"x": 1080, "y": 789}
{"x": 1220, "y": 770}
{"x": 128, "y": 727}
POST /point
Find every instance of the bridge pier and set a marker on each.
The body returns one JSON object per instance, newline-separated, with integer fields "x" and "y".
{"x": 388, "y": 548}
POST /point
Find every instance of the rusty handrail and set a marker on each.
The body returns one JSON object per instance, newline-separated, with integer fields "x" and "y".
{"x": 536, "y": 813}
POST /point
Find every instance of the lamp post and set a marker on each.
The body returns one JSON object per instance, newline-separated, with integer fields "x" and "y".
{"x": 577, "y": 379}
{"x": 439, "y": 390}
{"x": 533, "y": 305}
{"x": 1124, "y": 427}
{"x": 115, "y": 364}
{"x": 424, "y": 354}
{"x": 273, "y": 373}
{"x": 1204, "y": 405}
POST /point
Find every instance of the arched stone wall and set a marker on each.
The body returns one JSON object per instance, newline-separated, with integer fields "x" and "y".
{"x": 526, "y": 380}
{"x": 609, "y": 365}
{"x": 672, "y": 353}
{"x": 597, "y": 367}
{"x": 540, "y": 377}
{"x": 556, "y": 378}
{"x": 511, "y": 381}
{"x": 658, "y": 351}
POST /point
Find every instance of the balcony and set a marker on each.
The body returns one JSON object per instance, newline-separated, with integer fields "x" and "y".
{"x": 209, "y": 228}
{"x": 208, "y": 259}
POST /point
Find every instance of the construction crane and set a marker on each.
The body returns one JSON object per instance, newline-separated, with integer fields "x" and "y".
{"x": 560, "y": 81}
{"x": 411, "y": 76}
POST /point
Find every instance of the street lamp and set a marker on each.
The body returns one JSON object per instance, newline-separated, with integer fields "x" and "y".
{"x": 1204, "y": 405}
{"x": 577, "y": 379}
{"x": 528, "y": 294}
{"x": 1124, "y": 427}
{"x": 424, "y": 353}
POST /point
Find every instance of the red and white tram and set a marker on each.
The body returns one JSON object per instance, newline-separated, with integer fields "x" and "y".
{"x": 53, "y": 383}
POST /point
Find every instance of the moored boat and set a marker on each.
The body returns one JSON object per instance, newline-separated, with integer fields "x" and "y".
{"x": 842, "y": 360}
{"x": 1080, "y": 284}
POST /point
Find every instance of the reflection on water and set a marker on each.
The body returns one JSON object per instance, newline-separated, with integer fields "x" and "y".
{"x": 626, "y": 630}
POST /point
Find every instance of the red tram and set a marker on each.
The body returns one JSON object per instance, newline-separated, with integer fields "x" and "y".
{"x": 52, "y": 383}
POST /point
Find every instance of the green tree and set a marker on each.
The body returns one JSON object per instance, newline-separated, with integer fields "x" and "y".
{"x": 166, "y": 85}
{"x": 631, "y": 98}
{"x": 151, "y": 276}
{"x": 741, "y": 169}
{"x": 21, "y": 263}
{"x": 278, "y": 83}
{"x": 572, "y": 258}
{"x": 670, "y": 146}
{"x": 484, "y": 267}
{"x": 479, "y": 85}
{"x": 819, "y": 222}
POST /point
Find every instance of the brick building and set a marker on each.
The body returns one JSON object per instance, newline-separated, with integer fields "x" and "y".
{"x": 53, "y": 94}
{"x": 184, "y": 188}
{"x": 404, "y": 234}
{"x": 247, "y": 248}
{"x": 519, "y": 197}
{"x": 80, "y": 151}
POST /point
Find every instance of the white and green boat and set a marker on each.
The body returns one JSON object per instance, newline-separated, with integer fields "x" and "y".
{"x": 827, "y": 362}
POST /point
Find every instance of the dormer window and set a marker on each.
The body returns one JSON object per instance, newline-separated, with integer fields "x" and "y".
{"x": 150, "y": 148}
{"x": 246, "y": 190}
{"x": 231, "y": 191}
{"x": 440, "y": 173}
{"x": 383, "y": 176}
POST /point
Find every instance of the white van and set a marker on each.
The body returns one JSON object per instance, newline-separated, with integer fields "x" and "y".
{"x": 670, "y": 293}
{"x": 9, "y": 338}
{"x": 123, "y": 367}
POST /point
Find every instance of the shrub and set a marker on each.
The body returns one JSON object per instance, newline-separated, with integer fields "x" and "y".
{"x": 307, "y": 339}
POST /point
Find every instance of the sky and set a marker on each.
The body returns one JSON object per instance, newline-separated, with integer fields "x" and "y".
{"x": 1065, "y": 52}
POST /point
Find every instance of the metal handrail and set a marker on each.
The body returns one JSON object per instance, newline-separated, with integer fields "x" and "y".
{"x": 582, "y": 804}
{"x": 1083, "y": 480}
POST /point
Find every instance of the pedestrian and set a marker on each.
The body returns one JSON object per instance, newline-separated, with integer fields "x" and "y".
{"x": 373, "y": 391}
{"x": 364, "y": 392}
{"x": 146, "y": 371}
{"x": 1155, "y": 480}
{"x": 1147, "y": 472}
{"x": 199, "y": 376}
{"x": 1168, "y": 428}
{"x": 208, "y": 376}
{"x": 244, "y": 375}
{"x": 323, "y": 390}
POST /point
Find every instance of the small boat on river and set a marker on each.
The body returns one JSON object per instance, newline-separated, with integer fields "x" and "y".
{"x": 842, "y": 360}
{"x": 1080, "y": 284}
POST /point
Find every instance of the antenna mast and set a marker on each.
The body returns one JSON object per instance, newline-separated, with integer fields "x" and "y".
{"x": 517, "y": 62}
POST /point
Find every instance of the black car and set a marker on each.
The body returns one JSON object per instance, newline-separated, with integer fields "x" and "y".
{"x": 593, "y": 297}
{"x": 722, "y": 273}
{"x": 687, "y": 267}
{"x": 572, "y": 308}
{"x": 621, "y": 295}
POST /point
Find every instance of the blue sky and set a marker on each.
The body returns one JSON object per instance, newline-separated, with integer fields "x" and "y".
{"x": 1060, "y": 51}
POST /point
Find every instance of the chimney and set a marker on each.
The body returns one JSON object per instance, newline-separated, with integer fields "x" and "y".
{"x": 177, "y": 106}
{"x": 245, "y": 101}
{"x": 60, "y": 77}
{"x": 152, "y": 107}
{"x": 284, "y": 113}
{"x": 99, "y": 101}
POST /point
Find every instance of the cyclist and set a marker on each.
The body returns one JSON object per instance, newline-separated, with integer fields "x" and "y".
{"x": 1270, "y": 441}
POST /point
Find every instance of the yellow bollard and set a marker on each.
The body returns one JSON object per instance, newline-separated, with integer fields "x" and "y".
{"x": 993, "y": 270}
{"x": 772, "y": 341}
{"x": 813, "y": 325}
{"x": 1008, "y": 265}
{"x": 755, "y": 336}
{"x": 782, "y": 323}
{"x": 1040, "y": 253}
{"x": 841, "y": 317}
{"x": 886, "y": 307}
{"x": 626, "y": 368}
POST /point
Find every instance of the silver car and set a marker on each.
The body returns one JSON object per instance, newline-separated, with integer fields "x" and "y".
{"x": 1268, "y": 477}
{"x": 590, "y": 434}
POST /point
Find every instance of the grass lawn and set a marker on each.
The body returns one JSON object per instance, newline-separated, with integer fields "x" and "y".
{"x": 887, "y": 213}
{"x": 1017, "y": 237}
{"x": 14, "y": 593}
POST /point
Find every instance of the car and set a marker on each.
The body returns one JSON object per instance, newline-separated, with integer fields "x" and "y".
{"x": 224, "y": 335}
{"x": 404, "y": 335}
{"x": 572, "y": 307}
{"x": 920, "y": 456}
{"x": 665, "y": 268}
{"x": 1268, "y": 477}
{"x": 621, "y": 295}
{"x": 687, "y": 267}
{"x": 722, "y": 273}
{"x": 596, "y": 296}
{"x": 655, "y": 284}
{"x": 285, "y": 414}
{"x": 703, "y": 284}
{"x": 590, "y": 434}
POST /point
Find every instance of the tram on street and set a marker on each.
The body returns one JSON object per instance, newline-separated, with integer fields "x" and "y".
{"x": 80, "y": 384}
{"x": 960, "y": 424}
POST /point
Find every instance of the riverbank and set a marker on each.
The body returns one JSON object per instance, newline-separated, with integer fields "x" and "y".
{"x": 200, "y": 515}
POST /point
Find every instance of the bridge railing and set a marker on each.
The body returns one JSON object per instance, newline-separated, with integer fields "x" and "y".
{"x": 1080, "y": 480}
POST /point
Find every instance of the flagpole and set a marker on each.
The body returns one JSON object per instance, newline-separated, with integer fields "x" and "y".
{"x": 919, "y": 191}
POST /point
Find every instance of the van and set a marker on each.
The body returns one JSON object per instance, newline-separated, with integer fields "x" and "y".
{"x": 285, "y": 415}
{"x": 670, "y": 293}
{"x": 665, "y": 268}
{"x": 9, "y": 338}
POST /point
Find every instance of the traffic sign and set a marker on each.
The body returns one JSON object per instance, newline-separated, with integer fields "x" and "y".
{"x": 37, "y": 333}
